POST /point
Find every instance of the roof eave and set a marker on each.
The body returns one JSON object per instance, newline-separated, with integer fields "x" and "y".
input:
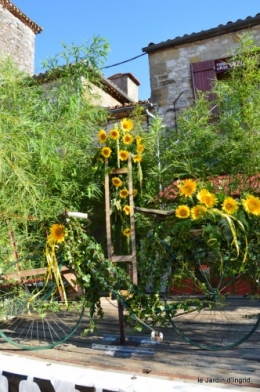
{"x": 131, "y": 107}
{"x": 21, "y": 16}
{"x": 114, "y": 91}
{"x": 220, "y": 30}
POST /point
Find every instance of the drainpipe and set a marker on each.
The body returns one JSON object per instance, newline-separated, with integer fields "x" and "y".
{"x": 175, "y": 115}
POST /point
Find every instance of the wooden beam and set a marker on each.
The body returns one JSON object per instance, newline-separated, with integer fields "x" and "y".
{"x": 30, "y": 272}
{"x": 122, "y": 170}
{"x": 154, "y": 212}
{"x": 123, "y": 258}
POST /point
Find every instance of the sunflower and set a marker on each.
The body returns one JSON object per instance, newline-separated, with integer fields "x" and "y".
{"x": 182, "y": 212}
{"x": 127, "y": 232}
{"x": 135, "y": 191}
{"x": 124, "y": 193}
{"x": 127, "y": 209}
{"x": 188, "y": 188}
{"x": 106, "y": 152}
{"x": 114, "y": 134}
{"x": 57, "y": 233}
{"x": 138, "y": 140}
{"x": 128, "y": 139}
{"x": 123, "y": 155}
{"x": 140, "y": 148}
{"x": 127, "y": 125}
{"x": 116, "y": 182}
{"x": 198, "y": 212}
{"x": 137, "y": 158}
{"x": 207, "y": 198}
{"x": 252, "y": 205}
{"x": 230, "y": 205}
{"x": 102, "y": 136}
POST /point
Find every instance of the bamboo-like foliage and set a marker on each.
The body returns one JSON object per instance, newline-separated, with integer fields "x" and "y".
{"x": 46, "y": 143}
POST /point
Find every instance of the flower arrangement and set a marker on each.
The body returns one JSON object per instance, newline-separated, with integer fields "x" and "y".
{"x": 116, "y": 147}
{"x": 211, "y": 231}
{"x": 121, "y": 142}
{"x": 207, "y": 201}
{"x": 55, "y": 240}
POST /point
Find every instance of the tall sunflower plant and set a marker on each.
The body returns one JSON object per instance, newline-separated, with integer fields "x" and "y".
{"x": 120, "y": 143}
{"x": 212, "y": 229}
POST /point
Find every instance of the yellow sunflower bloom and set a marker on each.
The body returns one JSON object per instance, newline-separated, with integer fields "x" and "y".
{"x": 252, "y": 205}
{"x": 230, "y": 205}
{"x": 57, "y": 233}
{"x": 127, "y": 209}
{"x": 102, "y": 136}
{"x": 124, "y": 193}
{"x": 123, "y": 155}
{"x": 135, "y": 192}
{"x": 140, "y": 148}
{"x": 198, "y": 212}
{"x": 127, "y": 124}
{"x": 138, "y": 140}
{"x": 114, "y": 134}
{"x": 128, "y": 139}
{"x": 188, "y": 188}
{"x": 106, "y": 152}
{"x": 116, "y": 182}
{"x": 127, "y": 232}
{"x": 137, "y": 158}
{"x": 207, "y": 198}
{"x": 182, "y": 212}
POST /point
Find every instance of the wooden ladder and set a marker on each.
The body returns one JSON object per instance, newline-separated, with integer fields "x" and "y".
{"x": 130, "y": 258}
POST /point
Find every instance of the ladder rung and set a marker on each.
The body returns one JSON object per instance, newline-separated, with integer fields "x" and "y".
{"x": 122, "y": 170}
{"x": 123, "y": 258}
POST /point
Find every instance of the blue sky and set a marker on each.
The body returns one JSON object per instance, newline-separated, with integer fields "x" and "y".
{"x": 127, "y": 25}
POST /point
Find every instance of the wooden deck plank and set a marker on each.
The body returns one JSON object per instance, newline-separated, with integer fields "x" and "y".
{"x": 173, "y": 358}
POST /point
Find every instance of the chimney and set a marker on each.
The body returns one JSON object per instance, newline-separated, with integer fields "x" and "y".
{"x": 127, "y": 83}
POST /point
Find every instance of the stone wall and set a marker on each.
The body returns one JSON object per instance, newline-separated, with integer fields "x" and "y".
{"x": 97, "y": 96}
{"x": 16, "y": 40}
{"x": 170, "y": 71}
{"x": 127, "y": 83}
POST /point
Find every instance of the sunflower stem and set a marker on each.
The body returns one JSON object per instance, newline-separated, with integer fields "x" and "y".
{"x": 117, "y": 153}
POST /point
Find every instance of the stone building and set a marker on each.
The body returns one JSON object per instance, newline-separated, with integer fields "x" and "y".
{"x": 180, "y": 66}
{"x": 17, "y": 36}
{"x": 120, "y": 96}
{"x": 118, "y": 93}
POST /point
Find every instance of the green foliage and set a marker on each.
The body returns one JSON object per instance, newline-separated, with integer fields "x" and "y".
{"x": 94, "y": 273}
{"x": 46, "y": 142}
{"x": 220, "y": 136}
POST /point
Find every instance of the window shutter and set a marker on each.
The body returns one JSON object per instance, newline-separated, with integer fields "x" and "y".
{"x": 203, "y": 76}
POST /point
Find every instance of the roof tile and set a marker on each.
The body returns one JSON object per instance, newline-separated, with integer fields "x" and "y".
{"x": 203, "y": 34}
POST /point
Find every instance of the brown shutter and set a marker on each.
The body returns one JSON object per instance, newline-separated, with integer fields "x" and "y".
{"x": 203, "y": 76}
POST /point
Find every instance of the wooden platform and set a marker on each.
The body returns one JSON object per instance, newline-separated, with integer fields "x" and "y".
{"x": 239, "y": 368}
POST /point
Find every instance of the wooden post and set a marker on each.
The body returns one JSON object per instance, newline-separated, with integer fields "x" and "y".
{"x": 110, "y": 248}
{"x": 132, "y": 222}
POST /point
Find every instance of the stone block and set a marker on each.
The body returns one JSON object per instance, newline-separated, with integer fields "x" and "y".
{"x": 158, "y": 69}
{"x": 167, "y": 82}
{"x": 195, "y": 59}
{"x": 160, "y": 96}
{"x": 169, "y": 54}
{"x": 154, "y": 83}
